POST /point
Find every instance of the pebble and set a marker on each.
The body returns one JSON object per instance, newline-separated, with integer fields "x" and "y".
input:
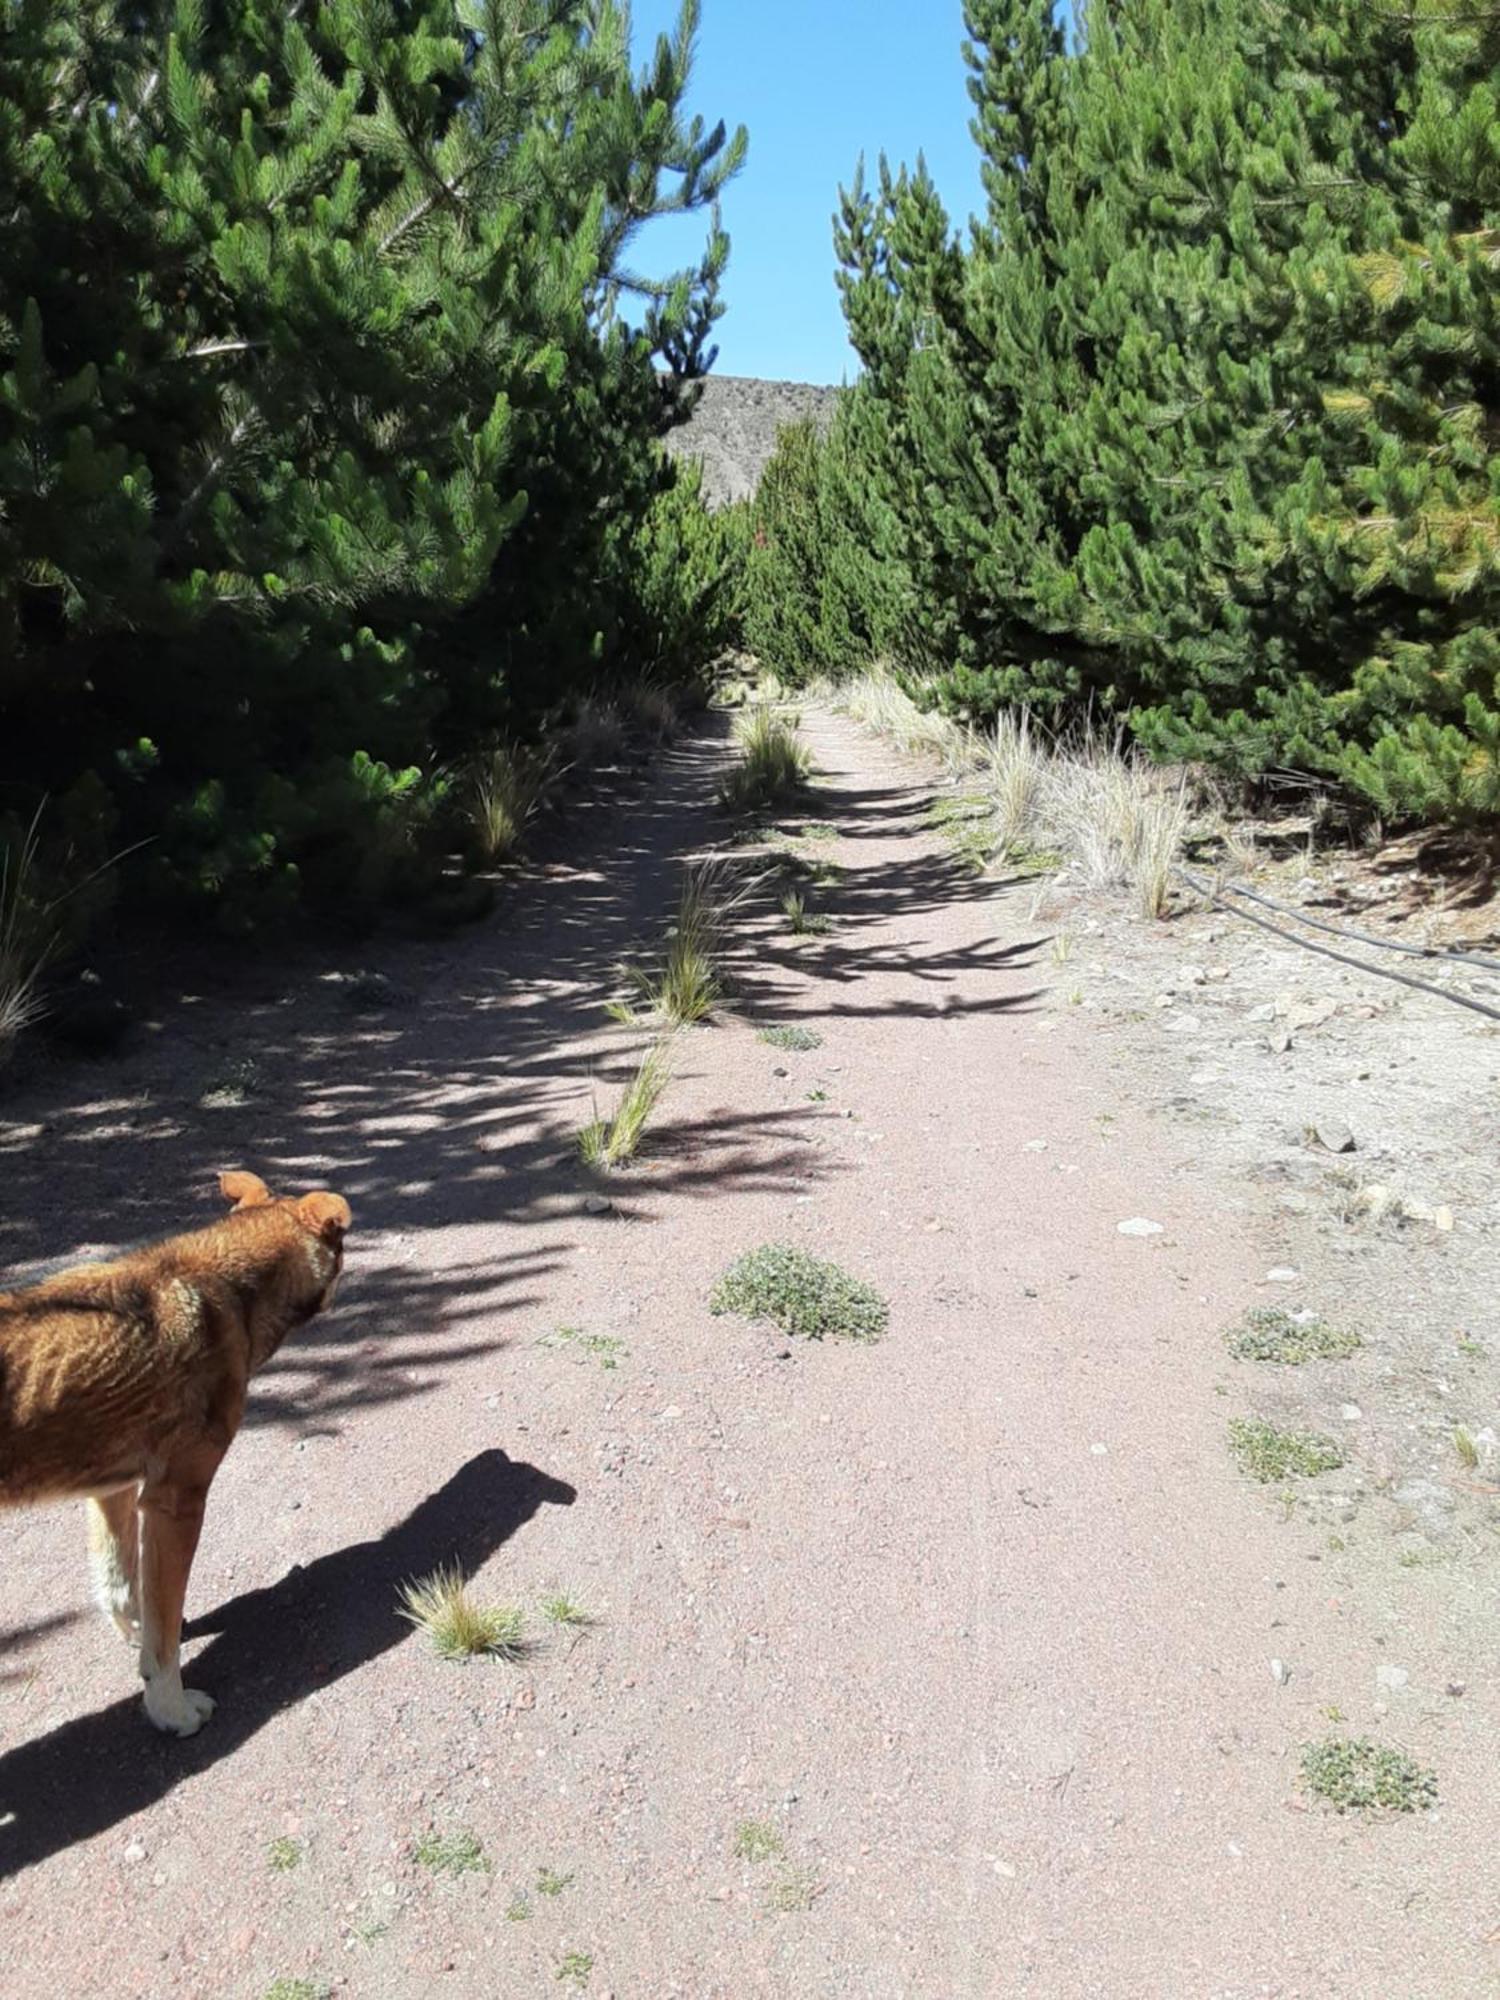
{"x": 1332, "y": 1134}
{"x": 1281, "y": 1673}
{"x": 1350, "y": 1412}
{"x": 780, "y": 1070}
{"x": 1138, "y": 1225}
{"x": 133, "y": 1851}
{"x": 1391, "y": 1678}
{"x": 597, "y": 1204}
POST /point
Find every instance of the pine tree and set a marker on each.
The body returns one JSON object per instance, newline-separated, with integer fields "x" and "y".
{"x": 308, "y": 317}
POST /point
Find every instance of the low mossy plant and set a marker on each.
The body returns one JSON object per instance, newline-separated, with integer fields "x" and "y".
{"x": 801, "y": 1294}
{"x": 790, "y": 1036}
{"x": 1270, "y": 1333}
{"x": 1354, "y": 1775}
{"x": 1269, "y": 1454}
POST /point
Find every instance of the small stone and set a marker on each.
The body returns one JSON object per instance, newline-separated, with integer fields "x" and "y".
{"x": 1282, "y": 1274}
{"x": 1036, "y": 1146}
{"x": 670, "y": 1412}
{"x": 133, "y": 1851}
{"x": 1350, "y": 1412}
{"x": 1332, "y": 1134}
{"x": 1377, "y": 1200}
{"x": 1265, "y": 1012}
{"x": 1182, "y": 1024}
{"x": 1281, "y": 1673}
{"x": 1391, "y": 1678}
{"x": 1099, "y": 1450}
{"x": 1312, "y": 1013}
{"x": 1279, "y": 1043}
{"x": 1442, "y": 1218}
{"x": 1138, "y": 1225}
{"x": 597, "y": 1204}
{"x": 780, "y": 1070}
{"x": 1192, "y": 975}
{"x": 1456, "y": 1688}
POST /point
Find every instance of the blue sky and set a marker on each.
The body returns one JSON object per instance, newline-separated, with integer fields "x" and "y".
{"x": 817, "y": 82}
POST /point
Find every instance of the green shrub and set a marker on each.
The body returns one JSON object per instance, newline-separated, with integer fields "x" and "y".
{"x": 801, "y": 1294}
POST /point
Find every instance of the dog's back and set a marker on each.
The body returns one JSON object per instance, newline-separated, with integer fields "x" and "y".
{"x": 105, "y": 1368}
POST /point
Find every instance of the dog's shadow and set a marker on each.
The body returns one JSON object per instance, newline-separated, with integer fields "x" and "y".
{"x": 271, "y": 1648}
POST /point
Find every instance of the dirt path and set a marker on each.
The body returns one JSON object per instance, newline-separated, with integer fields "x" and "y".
{"x": 977, "y": 1622}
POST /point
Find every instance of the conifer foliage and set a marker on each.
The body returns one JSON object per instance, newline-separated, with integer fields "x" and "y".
{"x": 329, "y": 400}
{"x": 1196, "y": 421}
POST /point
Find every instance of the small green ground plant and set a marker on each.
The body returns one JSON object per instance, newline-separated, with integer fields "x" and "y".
{"x": 801, "y": 1294}
{"x": 802, "y": 921}
{"x": 283, "y": 1855}
{"x": 456, "y": 1626}
{"x": 452, "y": 1854}
{"x": 601, "y": 1347}
{"x": 794, "y": 1890}
{"x": 297, "y": 1989}
{"x": 1268, "y": 1454}
{"x": 792, "y": 1037}
{"x": 613, "y": 1141}
{"x": 1354, "y": 1775}
{"x": 560, "y": 1609}
{"x": 774, "y": 764}
{"x": 1270, "y": 1333}
{"x": 756, "y": 1840}
{"x": 574, "y": 1969}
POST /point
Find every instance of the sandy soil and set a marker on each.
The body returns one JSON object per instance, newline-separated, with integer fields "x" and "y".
{"x": 979, "y": 1620}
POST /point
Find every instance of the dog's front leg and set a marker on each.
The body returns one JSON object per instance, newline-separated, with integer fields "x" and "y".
{"x": 115, "y": 1558}
{"x": 171, "y": 1517}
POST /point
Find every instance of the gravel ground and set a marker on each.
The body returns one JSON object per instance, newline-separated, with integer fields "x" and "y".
{"x": 975, "y": 1626}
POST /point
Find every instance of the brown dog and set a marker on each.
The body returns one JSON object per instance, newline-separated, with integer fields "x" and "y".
{"x": 125, "y": 1383}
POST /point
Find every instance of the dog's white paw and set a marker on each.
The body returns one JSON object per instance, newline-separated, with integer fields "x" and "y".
{"x": 176, "y": 1710}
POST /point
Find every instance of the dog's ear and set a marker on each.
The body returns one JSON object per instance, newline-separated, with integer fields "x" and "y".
{"x": 327, "y": 1215}
{"x": 244, "y": 1190}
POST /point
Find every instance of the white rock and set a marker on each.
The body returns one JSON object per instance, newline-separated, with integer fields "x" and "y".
{"x": 1350, "y": 1412}
{"x": 1183, "y": 1024}
{"x": 1391, "y": 1678}
{"x": 1139, "y": 1226}
{"x": 1036, "y": 1146}
{"x": 1192, "y": 975}
{"x": 1281, "y": 1673}
{"x": 1282, "y": 1274}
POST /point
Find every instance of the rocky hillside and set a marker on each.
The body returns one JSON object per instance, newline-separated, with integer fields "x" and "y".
{"x": 733, "y": 430}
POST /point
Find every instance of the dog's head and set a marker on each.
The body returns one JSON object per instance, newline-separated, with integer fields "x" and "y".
{"x": 316, "y": 1222}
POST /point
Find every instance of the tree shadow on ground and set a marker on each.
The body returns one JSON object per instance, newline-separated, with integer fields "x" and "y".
{"x": 451, "y": 1115}
{"x": 270, "y": 1649}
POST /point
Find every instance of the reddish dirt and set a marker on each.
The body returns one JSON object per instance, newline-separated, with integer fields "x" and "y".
{"x": 979, "y": 1619}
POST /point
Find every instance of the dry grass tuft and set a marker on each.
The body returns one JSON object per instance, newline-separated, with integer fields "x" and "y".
{"x": 28, "y": 935}
{"x": 686, "y": 987}
{"x": 457, "y": 1627}
{"x": 502, "y": 792}
{"x": 610, "y": 1142}
{"x": 774, "y": 763}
